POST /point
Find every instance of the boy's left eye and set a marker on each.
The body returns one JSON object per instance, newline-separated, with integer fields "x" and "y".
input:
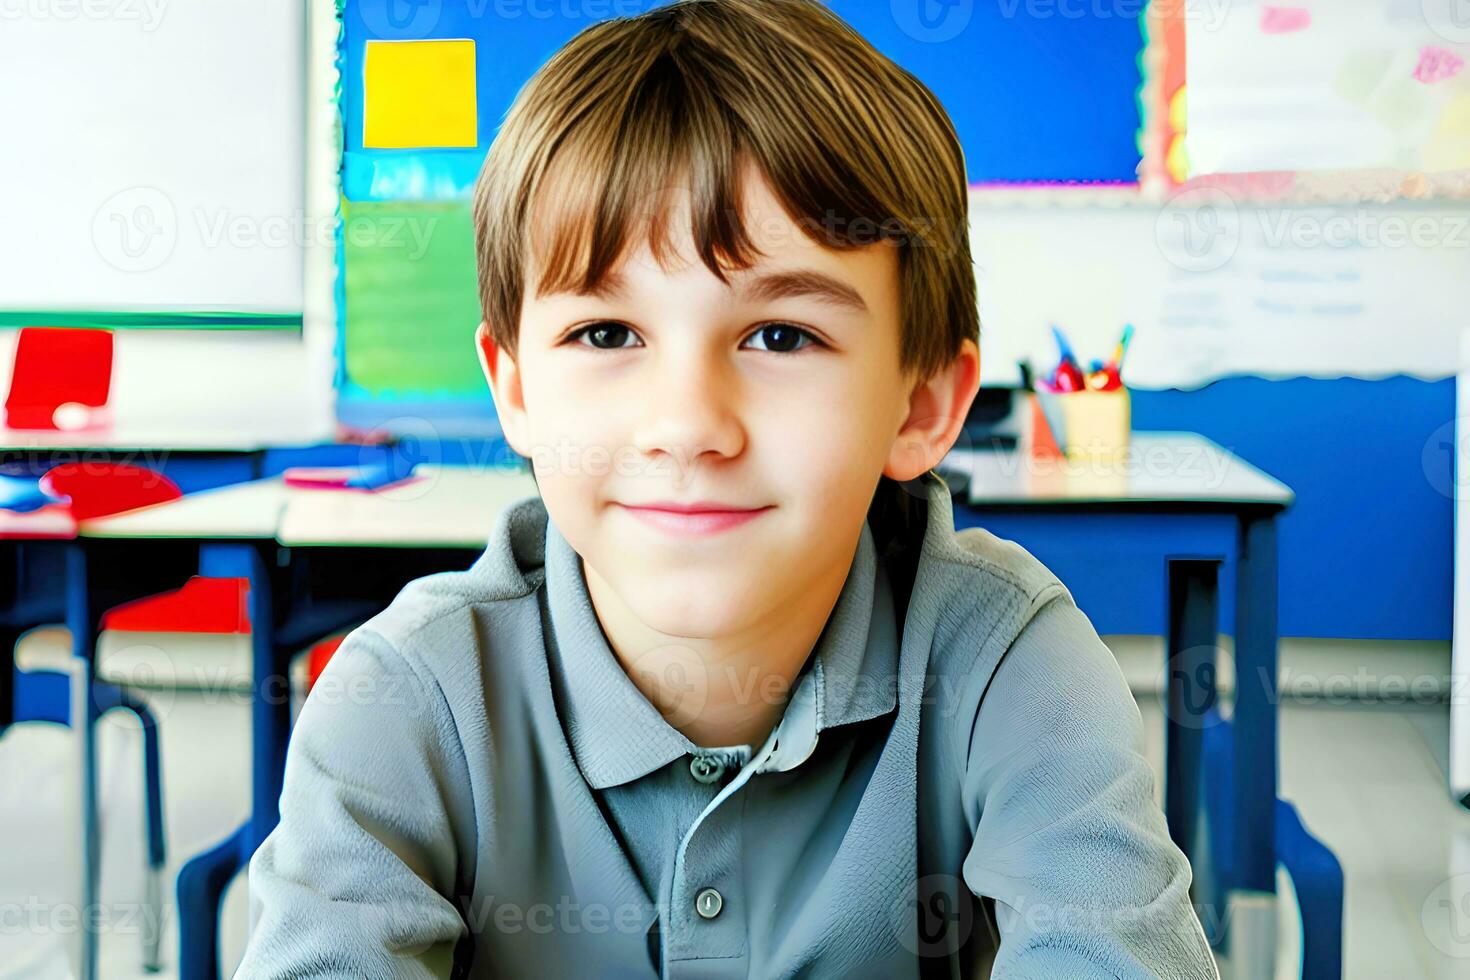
{"x": 783, "y": 338}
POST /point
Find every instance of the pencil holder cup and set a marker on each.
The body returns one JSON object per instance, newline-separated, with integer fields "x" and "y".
{"x": 1080, "y": 424}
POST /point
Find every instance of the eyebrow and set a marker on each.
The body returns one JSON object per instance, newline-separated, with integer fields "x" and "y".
{"x": 768, "y": 286}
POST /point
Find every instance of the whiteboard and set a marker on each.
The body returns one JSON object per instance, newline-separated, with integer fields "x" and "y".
{"x": 1218, "y": 286}
{"x": 153, "y": 155}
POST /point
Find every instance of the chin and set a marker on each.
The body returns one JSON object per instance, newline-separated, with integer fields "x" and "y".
{"x": 683, "y": 604}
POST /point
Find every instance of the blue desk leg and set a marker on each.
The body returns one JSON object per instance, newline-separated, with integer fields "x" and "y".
{"x": 202, "y": 883}
{"x": 1193, "y": 632}
{"x": 1253, "y": 875}
{"x": 203, "y": 880}
{"x": 83, "y": 616}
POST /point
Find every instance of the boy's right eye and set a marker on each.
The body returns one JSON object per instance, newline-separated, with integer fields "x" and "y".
{"x": 604, "y": 335}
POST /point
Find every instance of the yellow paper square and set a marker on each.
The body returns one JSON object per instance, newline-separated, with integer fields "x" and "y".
{"x": 419, "y": 93}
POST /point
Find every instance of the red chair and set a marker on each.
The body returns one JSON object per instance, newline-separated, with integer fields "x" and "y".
{"x": 318, "y": 658}
{"x": 57, "y": 366}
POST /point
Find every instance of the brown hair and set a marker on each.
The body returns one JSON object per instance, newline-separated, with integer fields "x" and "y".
{"x": 856, "y": 149}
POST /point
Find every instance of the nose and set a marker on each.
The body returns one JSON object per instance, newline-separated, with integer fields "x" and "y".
{"x": 689, "y": 410}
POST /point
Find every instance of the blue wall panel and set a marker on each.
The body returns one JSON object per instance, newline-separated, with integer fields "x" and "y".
{"x": 1366, "y": 551}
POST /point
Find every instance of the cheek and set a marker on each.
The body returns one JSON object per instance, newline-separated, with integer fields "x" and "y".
{"x": 572, "y": 426}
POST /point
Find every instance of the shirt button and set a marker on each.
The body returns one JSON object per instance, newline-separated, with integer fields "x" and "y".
{"x": 708, "y": 903}
{"x": 706, "y": 769}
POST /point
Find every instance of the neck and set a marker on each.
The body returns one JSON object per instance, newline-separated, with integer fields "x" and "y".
{"x": 719, "y": 690}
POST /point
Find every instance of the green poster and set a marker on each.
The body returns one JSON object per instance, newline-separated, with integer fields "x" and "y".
{"x": 411, "y": 305}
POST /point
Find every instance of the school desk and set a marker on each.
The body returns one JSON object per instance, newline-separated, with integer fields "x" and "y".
{"x": 318, "y": 561}
{"x": 1170, "y": 525}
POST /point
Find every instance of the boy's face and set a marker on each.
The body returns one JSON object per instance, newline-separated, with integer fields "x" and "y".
{"x": 778, "y": 396}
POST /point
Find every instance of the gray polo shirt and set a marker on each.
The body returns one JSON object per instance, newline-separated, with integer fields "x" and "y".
{"x": 476, "y": 788}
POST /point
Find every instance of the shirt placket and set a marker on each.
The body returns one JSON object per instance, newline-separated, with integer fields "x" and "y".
{"x": 707, "y": 917}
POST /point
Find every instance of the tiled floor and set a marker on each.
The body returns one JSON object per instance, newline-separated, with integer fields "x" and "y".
{"x": 1368, "y": 779}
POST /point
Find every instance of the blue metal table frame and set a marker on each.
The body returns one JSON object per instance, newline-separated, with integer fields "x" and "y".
{"x": 1094, "y": 547}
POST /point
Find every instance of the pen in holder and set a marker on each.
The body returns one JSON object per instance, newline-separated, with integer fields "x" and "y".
{"x": 1080, "y": 414}
{"x": 1080, "y": 424}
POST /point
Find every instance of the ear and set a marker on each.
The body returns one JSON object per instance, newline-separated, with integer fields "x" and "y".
{"x": 936, "y": 414}
{"x": 504, "y": 378}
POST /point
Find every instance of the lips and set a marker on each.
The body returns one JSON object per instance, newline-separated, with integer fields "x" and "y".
{"x": 693, "y": 507}
{"x": 697, "y": 519}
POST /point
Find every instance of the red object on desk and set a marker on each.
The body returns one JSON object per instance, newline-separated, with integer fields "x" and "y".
{"x": 203, "y": 605}
{"x": 56, "y": 366}
{"x": 100, "y": 489}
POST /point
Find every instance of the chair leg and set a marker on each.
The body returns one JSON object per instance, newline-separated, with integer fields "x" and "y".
{"x": 157, "y": 856}
{"x": 1317, "y": 877}
{"x": 202, "y": 884}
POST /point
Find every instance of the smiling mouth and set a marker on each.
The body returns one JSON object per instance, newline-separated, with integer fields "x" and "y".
{"x": 695, "y": 520}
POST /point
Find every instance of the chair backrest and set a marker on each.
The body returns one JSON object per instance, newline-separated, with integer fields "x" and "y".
{"x": 56, "y": 366}
{"x": 98, "y": 489}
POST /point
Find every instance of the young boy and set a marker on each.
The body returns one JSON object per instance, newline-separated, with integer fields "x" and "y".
{"x": 731, "y": 698}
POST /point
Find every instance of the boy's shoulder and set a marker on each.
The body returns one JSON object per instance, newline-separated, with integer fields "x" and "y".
{"x": 992, "y": 585}
{"x": 439, "y": 621}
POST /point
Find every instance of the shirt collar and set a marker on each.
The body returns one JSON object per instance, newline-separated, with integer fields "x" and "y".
{"x": 617, "y": 736}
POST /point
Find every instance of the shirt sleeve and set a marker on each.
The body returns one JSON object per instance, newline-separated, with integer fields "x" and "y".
{"x": 1069, "y": 841}
{"x": 354, "y": 879}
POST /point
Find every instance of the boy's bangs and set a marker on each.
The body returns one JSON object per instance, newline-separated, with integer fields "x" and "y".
{"x": 608, "y": 191}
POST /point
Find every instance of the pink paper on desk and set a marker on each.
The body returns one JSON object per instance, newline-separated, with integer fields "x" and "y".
{"x": 328, "y": 477}
{"x": 364, "y": 479}
{"x": 1437, "y": 64}
{"x": 1285, "y": 20}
